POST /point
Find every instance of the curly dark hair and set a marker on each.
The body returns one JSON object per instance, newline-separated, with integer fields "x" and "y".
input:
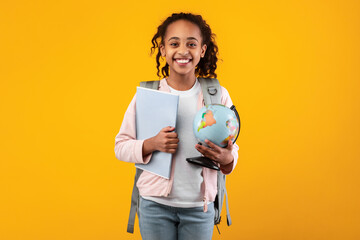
{"x": 207, "y": 65}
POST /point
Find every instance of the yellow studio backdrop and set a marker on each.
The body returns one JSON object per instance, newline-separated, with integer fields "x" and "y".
{"x": 68, "y": 70}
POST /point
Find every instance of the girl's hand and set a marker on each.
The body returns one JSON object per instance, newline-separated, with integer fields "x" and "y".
{"x": 221, "y": 155}
{"x": 165, "y": 141}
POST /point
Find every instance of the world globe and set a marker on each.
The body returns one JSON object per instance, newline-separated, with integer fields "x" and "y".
{"x": 217, "y": 123}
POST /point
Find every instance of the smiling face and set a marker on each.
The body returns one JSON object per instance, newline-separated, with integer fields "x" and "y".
{"x": 182, "y": 47}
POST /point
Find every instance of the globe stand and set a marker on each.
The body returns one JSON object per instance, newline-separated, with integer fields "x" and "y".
{"x": 204, "y": 162}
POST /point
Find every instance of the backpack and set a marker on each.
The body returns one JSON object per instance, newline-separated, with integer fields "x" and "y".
{"x": 212, "y": 95}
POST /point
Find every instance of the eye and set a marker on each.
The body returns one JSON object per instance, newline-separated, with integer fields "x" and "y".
{"x": 173, "y": 44}
{"x": 192, "y": 44}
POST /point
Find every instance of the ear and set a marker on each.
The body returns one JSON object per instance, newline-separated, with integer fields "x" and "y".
{"x": 203, "y": 50}
{"x": 162, "y": 50}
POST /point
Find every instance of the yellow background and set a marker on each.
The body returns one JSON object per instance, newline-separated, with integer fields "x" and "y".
{"x": 68, "y": 70}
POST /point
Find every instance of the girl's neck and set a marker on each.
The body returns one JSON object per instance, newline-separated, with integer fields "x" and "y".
{"x": 181, "y": 82}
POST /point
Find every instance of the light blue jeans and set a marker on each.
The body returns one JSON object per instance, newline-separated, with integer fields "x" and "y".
{"x": 162, "y": 222}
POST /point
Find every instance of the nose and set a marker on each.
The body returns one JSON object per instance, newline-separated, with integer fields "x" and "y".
{"x": 183, "y": 50}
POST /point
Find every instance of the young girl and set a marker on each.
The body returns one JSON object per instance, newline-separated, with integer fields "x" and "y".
{"x": 180, "y": 207}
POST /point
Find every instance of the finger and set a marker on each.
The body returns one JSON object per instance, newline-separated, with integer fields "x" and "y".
{"x": 230, "y": 145}
{"x": 172, "y": 146}
{"x": 204, "y": 150}
{"x": 172, "y": 135}
{"x": 168, "y": 129}
{"x": 172, "y": 150}
{"x": 212, "y": 145}
{"x": 172, "y": 140}
{"x": 209, "y": 155}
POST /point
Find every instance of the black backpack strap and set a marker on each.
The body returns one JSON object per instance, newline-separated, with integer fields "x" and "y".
{"x": 135, "y": 196}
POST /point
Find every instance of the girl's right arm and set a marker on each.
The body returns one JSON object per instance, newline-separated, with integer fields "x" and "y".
{"x": 129, "y": 149}
{"x": 165, "y": 141}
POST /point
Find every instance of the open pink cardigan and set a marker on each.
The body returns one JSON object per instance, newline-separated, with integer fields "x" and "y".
{"x": 129, "y": 149}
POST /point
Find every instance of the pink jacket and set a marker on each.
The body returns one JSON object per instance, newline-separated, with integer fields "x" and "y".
{"x": 128, "y": 149}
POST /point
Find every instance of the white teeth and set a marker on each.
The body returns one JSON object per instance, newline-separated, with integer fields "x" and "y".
{"x": 182, "y": 60}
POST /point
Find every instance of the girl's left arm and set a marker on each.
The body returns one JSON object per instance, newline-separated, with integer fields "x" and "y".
{"x": 226, "y": 157}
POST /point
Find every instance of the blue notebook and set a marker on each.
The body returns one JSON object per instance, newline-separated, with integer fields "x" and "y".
{"x": 154, "y": 111}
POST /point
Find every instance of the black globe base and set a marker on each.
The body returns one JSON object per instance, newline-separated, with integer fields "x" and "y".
{"x": 204, "y": 162}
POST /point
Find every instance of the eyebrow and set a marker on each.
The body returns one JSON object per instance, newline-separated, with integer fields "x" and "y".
{"x": 189, "y": 38}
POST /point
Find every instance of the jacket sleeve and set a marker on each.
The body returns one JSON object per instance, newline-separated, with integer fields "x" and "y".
{"x": 127, "y": 147}
{"x": 226, "y": 100}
